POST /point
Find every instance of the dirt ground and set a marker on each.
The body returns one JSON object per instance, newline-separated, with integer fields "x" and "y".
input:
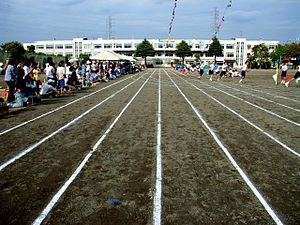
{"x": 116, "y": 186}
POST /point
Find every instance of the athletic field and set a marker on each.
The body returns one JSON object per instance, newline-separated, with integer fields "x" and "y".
{"x": 155, "y": 148}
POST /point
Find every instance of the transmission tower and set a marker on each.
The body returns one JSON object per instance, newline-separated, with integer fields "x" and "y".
{"x": 109, "y": 26}
{"x": 216, "y": 20}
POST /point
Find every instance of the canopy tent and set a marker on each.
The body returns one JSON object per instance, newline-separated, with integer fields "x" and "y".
{"x": 107, "y": 55}
{"x": 73, "y": 60}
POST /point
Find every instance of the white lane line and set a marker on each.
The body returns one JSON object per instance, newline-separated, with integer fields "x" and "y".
{"x": 30, "y": 148}
{"x": 254, "y": 105}
{"x": 233, "y": 162}
{"x": 50, "y": 112}
{"x": 243, "y": 118}
{"x": 61, "y": 191}
{"x": 274, "y": 96}
{"x": 265, "y": 99}
{"x": 158, "y": 185}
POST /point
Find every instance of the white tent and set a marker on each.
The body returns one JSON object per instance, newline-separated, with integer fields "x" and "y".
{"x": 106, "y": 55}
{"x": 73, "y": 60}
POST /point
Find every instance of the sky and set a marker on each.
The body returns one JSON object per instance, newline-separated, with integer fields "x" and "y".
{"x": 33, "y": 20}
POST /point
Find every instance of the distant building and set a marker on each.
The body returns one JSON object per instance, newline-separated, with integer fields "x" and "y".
{"x": 236, "y": 50}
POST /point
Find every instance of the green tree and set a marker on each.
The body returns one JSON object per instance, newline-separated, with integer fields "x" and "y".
{"x": 215, "y": 48}
{"x": 261, "y": 55}
{"x": 14, "y": 49}
{"x": 31, "y": 49}
{"x": 198, "y": 57}
{"x": 144, "y": 49}
{"x": 84, "y": 57}
{"x": 280, "y": 52}
{"x": 293, "y": 50}
{"x": 183, "y": 50}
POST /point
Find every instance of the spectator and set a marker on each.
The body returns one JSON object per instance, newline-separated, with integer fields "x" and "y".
{"x": 37, "y": 76}
{"x": 61, "y": 74}
{"x": 10, "y": 79}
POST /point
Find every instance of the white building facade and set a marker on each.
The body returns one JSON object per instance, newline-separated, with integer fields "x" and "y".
{"x": 235, "y": 51}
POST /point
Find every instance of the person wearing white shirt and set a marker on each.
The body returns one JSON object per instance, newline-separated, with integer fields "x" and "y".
{"x": 284, "y": 70}
{"x": 244, "y": 71}
{"x": 211, "y": 71}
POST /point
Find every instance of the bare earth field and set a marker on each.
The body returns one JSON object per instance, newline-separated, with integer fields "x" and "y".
{"x": 155, "y": 148}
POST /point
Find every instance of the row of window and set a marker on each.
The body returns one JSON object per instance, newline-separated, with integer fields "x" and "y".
{"x": 107, "y": 46}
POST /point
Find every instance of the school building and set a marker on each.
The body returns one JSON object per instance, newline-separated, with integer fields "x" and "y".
{"x": 236, "y": 50}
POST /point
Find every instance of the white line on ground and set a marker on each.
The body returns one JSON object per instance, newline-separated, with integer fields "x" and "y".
{"x": 30, "y": 148}
{"x": 233, "y": 162}
{"x": 243, "y": 118}
{"x": 254, "y": 105}
{"x": 61, "y": 191}
{"x": 59, "y": 108}
{"x": 158, "y": 184}
{"x": 274, "y": 96}
{"x": 265, "y": 99}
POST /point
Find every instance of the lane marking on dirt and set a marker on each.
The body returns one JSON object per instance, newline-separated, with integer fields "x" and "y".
{"x": 254, "y": 105}
{"x": 268, "y": 93}
{"x": 232, "y": 160}
{"x": 65, "y": 186}
{"x": 158, "y": 185}
{"x": 59, "y": 108}
{"x": 262, "y": 98}
{"x": 246, "y": 120}
{"x": 30, "y": 148}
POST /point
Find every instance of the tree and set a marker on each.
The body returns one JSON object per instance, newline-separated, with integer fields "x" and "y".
{"x": 261, "y": 55}
{"x": 144, "y": 49}
{"x": 14, "y": 48}
{"x": 31, "y": 49}
{"x": 198, "y": 57}
{"x": 84, "y": 57}
{"x": 183, "y": 50}
{"x": 215, "y": 48}
{"x": 293, "y": 50}
{"x": 280, "y": 52}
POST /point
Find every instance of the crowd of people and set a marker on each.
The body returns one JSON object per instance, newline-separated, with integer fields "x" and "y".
{"x": 212, "y": 69}
{"x": 224, "y": 70}
{"x": 25, "y": 80}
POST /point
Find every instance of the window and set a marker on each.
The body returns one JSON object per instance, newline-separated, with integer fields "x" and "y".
{"x": 107, "y": 45}
{"x": 229, "y": 46}
{"x": 169, "y": 54}
{"x": 160, "y": 46}
{"x": 59, "y": 46}
{"x": 40, "y": 46}
{"x": 98, "y": 46}
{"x": 49, "y": 46}
{"x": 229, "y": 54}
{"x": 87, "y": 46}
{"x": 118, "y": 45}
{"x": 127, "y": 45}
{"x": 271, "y": 47}
{"x": 68, "y": 46}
